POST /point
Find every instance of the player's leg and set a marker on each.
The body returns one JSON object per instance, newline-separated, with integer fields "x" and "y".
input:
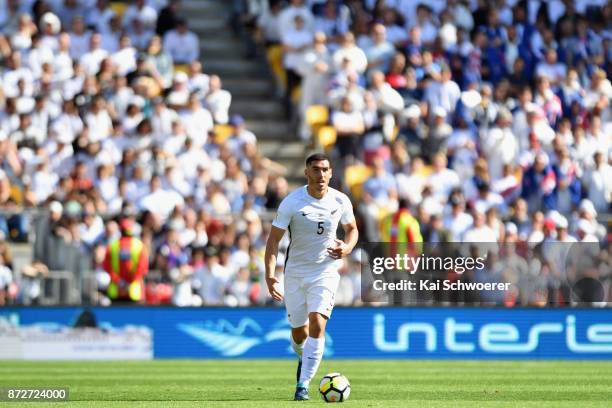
{"x": 316, "y": 325}
{"x": 320, "y": 299}
{"x": 297, "y": 314}
{"x": 295, "y": 303}
{"x": 298, "y": 337}
{"x": 313, "y": 348}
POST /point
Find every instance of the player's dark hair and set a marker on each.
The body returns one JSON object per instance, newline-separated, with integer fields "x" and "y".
{"x": 317, "y": 157}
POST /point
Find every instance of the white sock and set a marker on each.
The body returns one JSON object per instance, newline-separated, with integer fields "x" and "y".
{"x": 313, "y": 353}
{"x": 298, "y": 348}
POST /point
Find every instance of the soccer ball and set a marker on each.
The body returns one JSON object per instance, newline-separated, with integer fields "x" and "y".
{"x": 334, "y": 387}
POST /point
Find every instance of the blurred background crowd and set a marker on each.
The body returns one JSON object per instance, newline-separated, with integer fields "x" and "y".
{"x": 448, "y": 120}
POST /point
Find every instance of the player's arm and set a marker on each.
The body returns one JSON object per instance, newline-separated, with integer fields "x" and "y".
{"x": 351, "y": 234}
{"x": 344, "y": 248}
{"x": 276, "y": 234}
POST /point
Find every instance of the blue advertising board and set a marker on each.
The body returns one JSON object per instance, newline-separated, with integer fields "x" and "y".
{"x": 392, "y": 333}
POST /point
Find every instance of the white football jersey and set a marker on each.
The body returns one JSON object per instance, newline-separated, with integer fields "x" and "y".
{"x": 312, "y": 226}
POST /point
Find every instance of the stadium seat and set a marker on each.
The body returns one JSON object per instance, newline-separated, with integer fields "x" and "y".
{"x": 119, "y": 7}
{"x": 426, "y": 171}
{"x": 316, "y": 116}
{"x": 326, "y": 137}
{"x": 355, "y": 176}
{"x": 16, "y": 194}
{"x": 181, "y": 68}
{"x": 223, "y": 132}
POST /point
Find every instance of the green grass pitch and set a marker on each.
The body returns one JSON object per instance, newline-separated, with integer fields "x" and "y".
{"x": 269, "y": 383}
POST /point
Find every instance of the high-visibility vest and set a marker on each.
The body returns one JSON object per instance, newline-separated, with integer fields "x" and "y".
{"x": 401, "y": 227}
{"x": 135, "y": 288}
{"x": 136, "y": 247}
{"x": 401, "y": 230}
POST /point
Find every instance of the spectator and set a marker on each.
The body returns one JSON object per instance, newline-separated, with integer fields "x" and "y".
{"x": 387, "y": 99}
{"x": 401, "y": 227}
{"x": 381, "y": 51}
{"x": 126, "y": 274}
{"x": 182, "y": 45}
{"x": 50, "y": 27}
{"x": 551, "y": 69}
{"x": 98, "y": 121}
{"x": 268, "y": 24}
{"x": 442, "y": 180}
{"x": 395, "y": 76}
{"x": 111, "y": 35}
{"x": 479, "y": 231}
{"x": 197, "y": 120}
{"x": 240, "y": 136}
{"x": 500, "y": 145}
{"x": 598, "y": 180}
{"x": 99, "y": 16}
{"x": 295, "y": 42}
{"x": 381, "y": 186}
{"x": 139, "y": 35}
{"x": 125, "y": 58}
{"x": 352, "y": 54}
{"x": 80, "y": 38}
{"x": 199, "y": 82}
{"x": 218, "y": 100}
{"x": 568, "y": 189}
{"x": 288, "y": 16}
{"x": 396, "y": 34}
{"x": 349, "y": 126}
{"x": 333, "y": 22}
{"x": 92, "y": 58}
{"x": 168, "y": 17}
{"x": 444, "y": 93}
{"x": 439, "y": 132}
{"x": 539, "y": 184}
{"x": 159, "y": 201}
{"x": 315, "y": 72}
{"x": 211, "y": 278}
{"x": 143, "y": 14}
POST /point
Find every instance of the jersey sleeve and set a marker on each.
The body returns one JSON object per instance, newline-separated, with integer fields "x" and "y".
{"x": 347, "y": 211}
{"x": 283, "y": 215}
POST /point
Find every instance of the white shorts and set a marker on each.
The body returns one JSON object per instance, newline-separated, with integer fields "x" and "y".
{"x": 304, "y": 295}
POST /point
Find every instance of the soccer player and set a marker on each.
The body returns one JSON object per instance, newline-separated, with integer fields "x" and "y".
{"x": 311, "y": 215}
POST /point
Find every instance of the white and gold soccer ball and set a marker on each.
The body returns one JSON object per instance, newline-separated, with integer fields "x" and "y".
{"x": 334, "y": 387}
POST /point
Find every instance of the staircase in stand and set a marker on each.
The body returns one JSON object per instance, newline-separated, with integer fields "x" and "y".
{"x": 249, "y": 81}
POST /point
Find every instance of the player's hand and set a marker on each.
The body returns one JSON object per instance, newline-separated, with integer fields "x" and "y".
{"x": 339, "y": 250}
{"x": 271, "y": 281}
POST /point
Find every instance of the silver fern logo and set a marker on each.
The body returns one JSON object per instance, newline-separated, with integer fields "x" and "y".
{"x": 231, "y": 340}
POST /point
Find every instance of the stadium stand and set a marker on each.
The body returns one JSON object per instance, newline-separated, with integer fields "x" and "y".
{"x": 493, "y": 119}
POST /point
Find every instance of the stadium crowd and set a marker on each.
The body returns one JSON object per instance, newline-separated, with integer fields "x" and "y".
{"x": 482, "y": 120}
{"x": 473, "y": 121}
{"x": 109, "y": 116}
